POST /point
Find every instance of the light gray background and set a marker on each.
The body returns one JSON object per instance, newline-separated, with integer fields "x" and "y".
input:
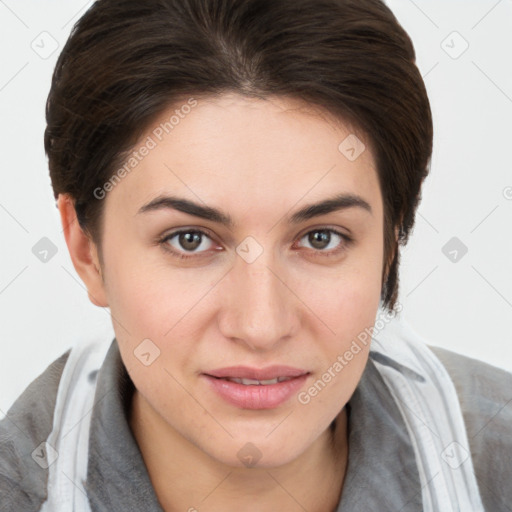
{"x": 465, "y": 306}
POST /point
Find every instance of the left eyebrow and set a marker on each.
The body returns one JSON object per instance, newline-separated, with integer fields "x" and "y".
{"x": 336, "y": 203}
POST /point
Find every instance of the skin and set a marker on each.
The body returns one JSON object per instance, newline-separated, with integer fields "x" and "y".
{"x": 259, "y": 161}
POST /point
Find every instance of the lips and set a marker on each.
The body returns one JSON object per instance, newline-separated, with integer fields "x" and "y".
{"x": 252, "y": 388}
{"x": 255, "y": 382}
{"x": 263, "y": 374}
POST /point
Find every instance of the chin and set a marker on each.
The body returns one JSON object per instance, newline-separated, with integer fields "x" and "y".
{"x": 260, "y": 451}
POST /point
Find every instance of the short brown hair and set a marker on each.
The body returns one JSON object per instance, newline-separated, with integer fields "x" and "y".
{"x": 127, "y": 61}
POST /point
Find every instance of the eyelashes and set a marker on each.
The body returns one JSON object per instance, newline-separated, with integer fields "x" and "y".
{"x": 199, "y": 234}
{"x": 174, "y": 234}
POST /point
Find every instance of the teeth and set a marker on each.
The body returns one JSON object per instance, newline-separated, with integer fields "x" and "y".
{"x": 271, "y": 381}
{"x": 252, "y": 382}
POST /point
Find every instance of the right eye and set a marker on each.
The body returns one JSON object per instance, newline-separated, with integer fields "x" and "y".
{"x": 187, "y": 240}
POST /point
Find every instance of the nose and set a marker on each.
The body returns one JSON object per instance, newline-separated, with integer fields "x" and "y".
{"x": 258, "y": 306}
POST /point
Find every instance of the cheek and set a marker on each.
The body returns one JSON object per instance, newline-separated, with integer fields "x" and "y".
{"x": 351, "y": 321}
{"x": 137, "y": 282}
{"x": 138, "y": 298}
{"x": 344, "y": 353}
{"x": 348, "y": 306}
{"x": 156, "y": 301}
{"x": 348, "y": 300}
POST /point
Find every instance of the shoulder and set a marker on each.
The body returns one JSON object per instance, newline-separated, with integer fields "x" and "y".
{"x": 485, "y": 395}
{"x": 26, "y": 425}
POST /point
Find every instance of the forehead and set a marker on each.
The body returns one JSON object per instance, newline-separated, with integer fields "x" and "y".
{"x": 246, "y": 152}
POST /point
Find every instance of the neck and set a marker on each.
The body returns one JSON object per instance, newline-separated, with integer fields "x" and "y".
{"x": 190, "y": 479}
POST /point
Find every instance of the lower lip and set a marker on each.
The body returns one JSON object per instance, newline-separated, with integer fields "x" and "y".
{"x": 255, "y": 396}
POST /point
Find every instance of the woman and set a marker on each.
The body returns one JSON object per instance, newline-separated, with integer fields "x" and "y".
{"x": 234, "y": 180}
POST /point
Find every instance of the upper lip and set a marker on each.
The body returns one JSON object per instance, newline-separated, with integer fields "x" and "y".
{"x": 246, "y": 372}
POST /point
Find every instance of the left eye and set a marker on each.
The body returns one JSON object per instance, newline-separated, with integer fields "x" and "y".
{"x": 320, "y": 239}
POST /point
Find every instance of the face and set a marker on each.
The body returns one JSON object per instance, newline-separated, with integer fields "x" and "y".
{"x": 190, "y": 295}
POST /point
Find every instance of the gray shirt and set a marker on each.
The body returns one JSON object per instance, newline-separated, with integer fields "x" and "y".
{"x": 381, "y": 473}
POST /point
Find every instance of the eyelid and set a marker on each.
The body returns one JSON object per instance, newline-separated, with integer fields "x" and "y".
{"x": 188, "y": 229}
{"x": 326, "y": 227}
